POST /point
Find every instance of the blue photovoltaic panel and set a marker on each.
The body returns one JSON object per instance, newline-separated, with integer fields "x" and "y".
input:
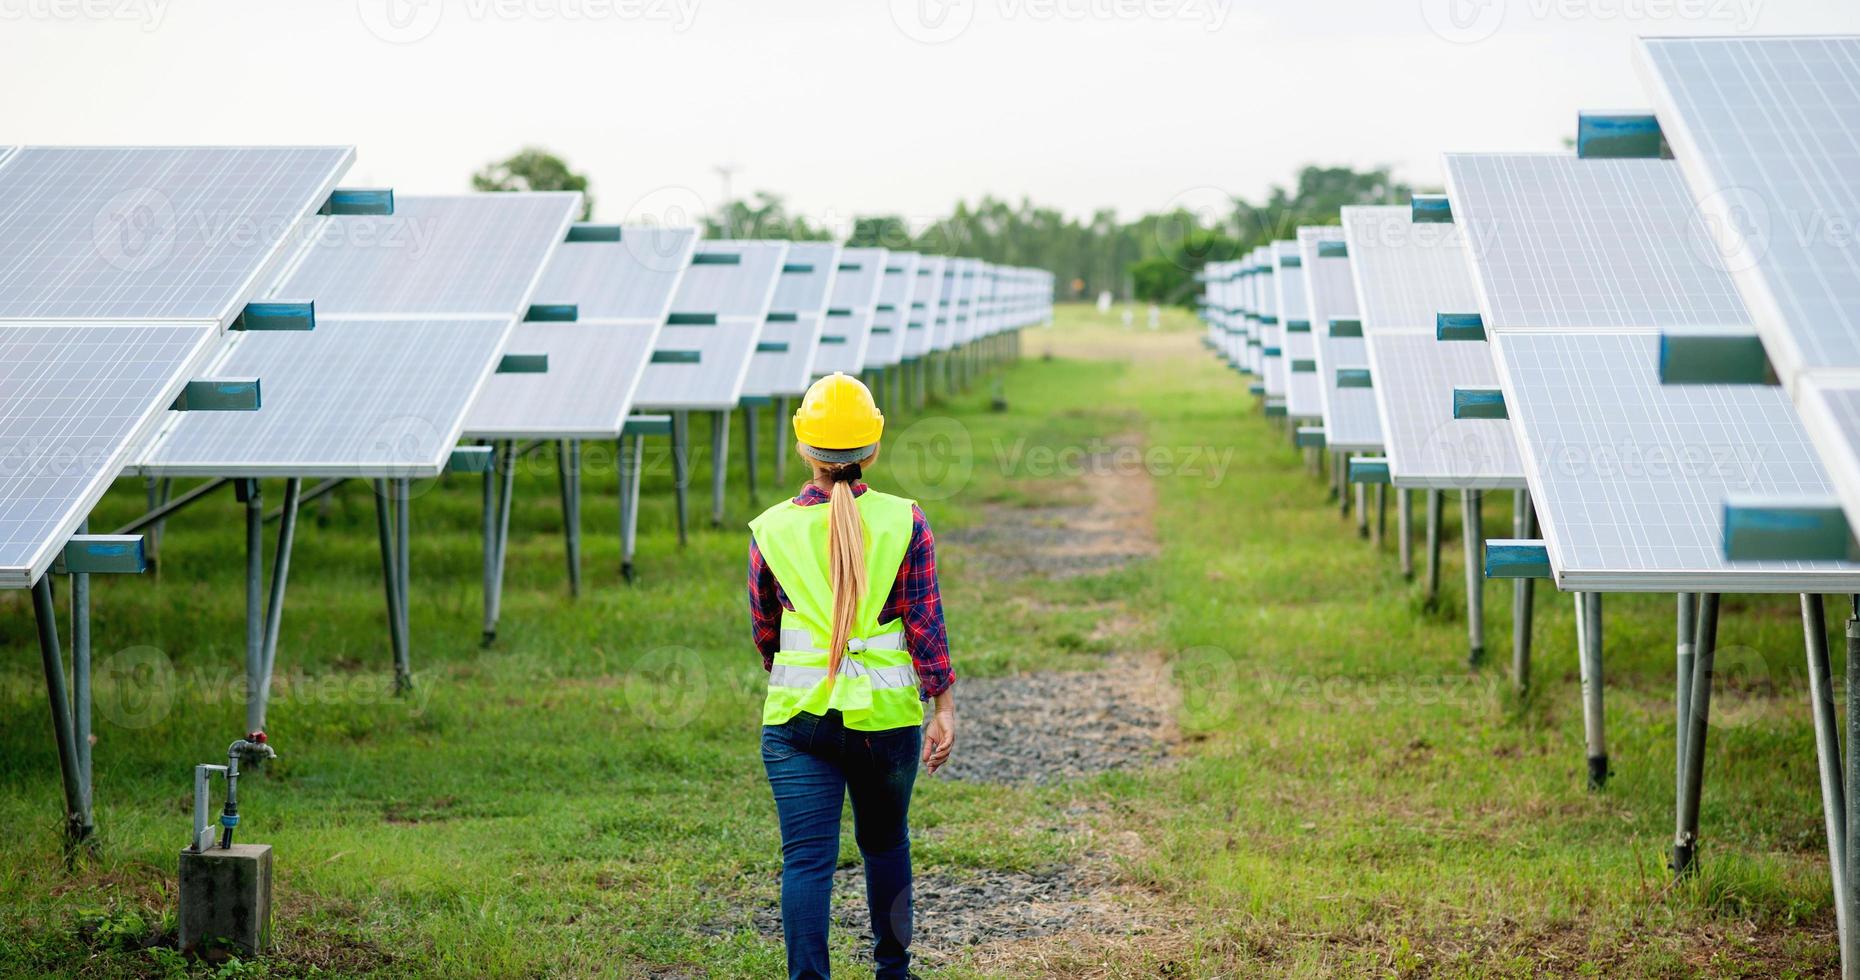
{"x": 439, "y": 257}
{"x": 1351, "y": 420}
{"x": 74, "y": 398}
{"x": 623, "y": 291}
{"x": 1303, "y": 399}
{"x": 1630, "y": 476}
{"x": 1405, "y": 273}
{"x": 894, "y": 306}
{"x": 730, "y": 300}
{"x": 925, "y": 301}
{"x": 1571, "y": 244}
{"x": 354, "y": 397}
{"x": 151, "y": 233}
{"x": 1271, "y": 329}
{"x": 849, "y": 313}
{"x": 784, "y": 359}
{"x": 1414, "y": 376}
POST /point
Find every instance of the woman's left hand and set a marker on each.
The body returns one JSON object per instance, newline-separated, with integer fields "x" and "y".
{"x": 940, "y": 734}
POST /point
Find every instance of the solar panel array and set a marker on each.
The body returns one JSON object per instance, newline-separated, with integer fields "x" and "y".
{"x": 894, "y": 306}
{"x": 1765, "y": 131}
{"x": 784, "y": 359}
{"x": 118, "y": 267}
{"x": 1303, "y": 398}
{"x": 703, "y": 353}
{"x": 151, "y": 233}
{"x": 1351, "y": 420}
{"x": 622, "y": 292}
{"x": 926, "y": 302}
{"x": 413, "y": 313}
{"x": 850, "y": 311}
{"x": 1405, "y": 274}
{"x": 1271, "y": 328}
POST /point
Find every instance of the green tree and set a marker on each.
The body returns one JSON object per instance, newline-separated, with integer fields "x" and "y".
{"x": 766, "y": 217}
{"x": 534, "y": 169}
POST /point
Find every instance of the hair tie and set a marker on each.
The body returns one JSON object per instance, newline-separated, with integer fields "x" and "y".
{"x": 850, "y": 473}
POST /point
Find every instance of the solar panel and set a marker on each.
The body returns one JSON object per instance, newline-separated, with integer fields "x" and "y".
{"x": 1272, "y": 329}
{"x": 354, "y": 397}
{"x": 1303, "y": 400}
{"x": 1630, "y": 476}
{"x": 73, "y": 399}
{"x": 622, "y": 291}
{"x": 849, "y": 314}
{"x": 1414, "y": 377}
{"x": 894, "y": 307}
{"x": 1767, "y": 132}
{"x": 1405, "y": 272}
{"x": 1567, "y": 244}
{"x": 1830, "y": 410}
{"x": 784, "y": 359}
{"x": 437, "y": 257}
{"x": 926, "y": 297}
{"x": 1351, "y": 420}
{"x": 151, "y": 233}
{"x": 703, "y": 352}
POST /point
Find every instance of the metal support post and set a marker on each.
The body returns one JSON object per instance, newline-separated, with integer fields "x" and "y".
{"x": 78, "y": 823}
{"x": 781, "y": 443}
{"x": 274, "y": 602}
{"x": 719, "y": 463}
{"x": 390, "y": 575}
{"x": 1523, "y": 592}
{"x": 568, "y": 470}
{"x": 632, "y": 460}
{"x": 1589, "y": 651}
{"x": 750, "y": 459}
{"x": 1686, "y": 815}
{"x": 1433, "y": 546}
{"x": 681, "y": 469}
{"x": 1404, "y": 526}
{"x": 1473, "y": 533}
{"x": 1828, "y": 759}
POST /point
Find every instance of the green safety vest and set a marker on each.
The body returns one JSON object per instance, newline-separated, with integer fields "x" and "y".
{"x": 877, "y": 684}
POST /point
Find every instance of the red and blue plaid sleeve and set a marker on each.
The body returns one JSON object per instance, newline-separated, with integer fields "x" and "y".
{"x": 917, "y": 600}
{"x": 764, "y": 606}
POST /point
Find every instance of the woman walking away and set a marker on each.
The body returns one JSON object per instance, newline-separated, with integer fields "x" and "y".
{"x": 844, "y": 603}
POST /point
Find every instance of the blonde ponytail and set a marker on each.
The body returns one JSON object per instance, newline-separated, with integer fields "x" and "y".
{"x": 845, "y": 562}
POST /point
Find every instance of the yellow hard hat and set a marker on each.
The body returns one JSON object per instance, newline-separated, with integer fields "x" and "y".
{"x": 838, "y": 422}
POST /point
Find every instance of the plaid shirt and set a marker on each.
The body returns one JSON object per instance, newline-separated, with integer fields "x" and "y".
{"x": 914, "y": 598}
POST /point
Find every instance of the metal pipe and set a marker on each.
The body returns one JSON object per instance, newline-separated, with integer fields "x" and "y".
{"x": 1523, "y": 592}
{"x": 1686, "y": 815}
{"x": 1404, "y": 526}
{"x": 403, "y": 557}
{"x": 631, "y": 461}
{"x": 274, "y": 605}
{"x": 1850, "y": 951}
{"x": 254, "y": 603}
{"x": 1472, "y": 528}
{"x": 78, "y": 824}
{"x": 488, "y": 516}
{"x": 781, "y": 442}
{"x": 317, "y": 492}
{"x": 1686, "y": 629}
{"x": 390, "y": 578}
{"x": 1382, "y": 514}
{"x": 681, "y": 469}
{"x": 80, "y": 675}
{"x": 1589, "y": 648}
{"x": 751, "y": 461}
{"x": 719, "y": 463}
{"x": 1828, "y": 760}
{"x": 1362, "y": 510}
{"x": 504, "y": 497}
{"x": 162, "y": 511}
{"x": 568, "y": 473}
{"x": 1433, "y": 547}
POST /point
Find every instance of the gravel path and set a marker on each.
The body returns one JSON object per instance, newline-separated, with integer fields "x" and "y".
{"x": 1047, "y": 727}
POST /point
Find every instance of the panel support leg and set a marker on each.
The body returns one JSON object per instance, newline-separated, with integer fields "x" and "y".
{"x": 1362, "y": 510}
{"x": 1404, "y": 526}
{"x": 488, "y": 515}
{"x": 403, "y": 560}
{"x": 1589, "y": 650}
{"x": 1686, "y": 632}
{"x": 751, "y": 460}
{"x": 1473, "y": 533}
{"x": 494, "y": 606}
{"x": 781, "y": 443}
{"x": 568, "y": 470}
{"x": 390, "y": 575}
{"x": 253, "y": 498}
{"x": 1382, "y": 514}
{"x": 1845, "y": 879}
{"x": 632, "y": 460}
{"x": 78, "y": 823}
{"x": 681, "y": 470}
{"x": 80, "y": 687}
{"x": 1523, "y": 592}
{"x": 1433, "y": 547}
{"x": 274, "y": 602}
{"x": 1828, "y": 758}
{"x": 719, "y": 463}
{"x": 1686, "y": 814}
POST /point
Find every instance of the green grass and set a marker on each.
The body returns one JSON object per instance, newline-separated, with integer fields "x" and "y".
{"x": 585, "y": 796}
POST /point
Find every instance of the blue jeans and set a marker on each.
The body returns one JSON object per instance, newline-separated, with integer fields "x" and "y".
{"x": 813, "y": 763}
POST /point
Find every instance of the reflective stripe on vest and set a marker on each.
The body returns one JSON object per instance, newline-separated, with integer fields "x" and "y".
{"x": 876, "y": 688}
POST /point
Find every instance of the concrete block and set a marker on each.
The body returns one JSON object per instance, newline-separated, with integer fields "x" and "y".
{"x": 226, "y": 900}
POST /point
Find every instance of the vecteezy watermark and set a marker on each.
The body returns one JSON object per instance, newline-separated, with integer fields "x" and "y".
{"x": 1732, "y": 465}
{"x": 141, "y": 228}
{"x": 1472, "y": 21}
{"x": 933, "y": 459}
{"x": 408, "y": 21}
{"x": 147, "y": 13}
{"x": 937, "y": 21}
{"x": 1102, "y": 458}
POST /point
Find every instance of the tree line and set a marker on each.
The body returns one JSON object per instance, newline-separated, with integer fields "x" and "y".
{"x": 1153, "y": 258}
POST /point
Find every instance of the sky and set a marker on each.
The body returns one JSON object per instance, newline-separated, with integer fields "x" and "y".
{"x": 844, "y": 108}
